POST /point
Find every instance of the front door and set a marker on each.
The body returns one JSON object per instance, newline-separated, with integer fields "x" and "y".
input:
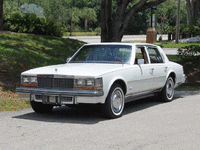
{"x": 142, "y": 77}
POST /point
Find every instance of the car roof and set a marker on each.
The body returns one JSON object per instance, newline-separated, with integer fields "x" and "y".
{"x": 119, "y": 43}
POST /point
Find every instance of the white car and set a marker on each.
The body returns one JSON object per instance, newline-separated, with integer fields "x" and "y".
{"x": 110, "y": 74}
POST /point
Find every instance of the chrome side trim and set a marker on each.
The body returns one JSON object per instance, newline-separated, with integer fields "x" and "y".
{"x": 140, "y": 95}
{"x": 70, "y": 92}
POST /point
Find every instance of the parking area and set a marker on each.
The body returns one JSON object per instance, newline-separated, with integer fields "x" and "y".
{"x": 145, "y": 124}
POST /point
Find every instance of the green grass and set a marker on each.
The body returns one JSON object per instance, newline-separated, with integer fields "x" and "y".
{"x": 10, "y": 101}
{"x": 165, "y": 44}
{"x": 174, "y": 58}
{"x": 174, "y": 45}
{"x": 20, "y": 52}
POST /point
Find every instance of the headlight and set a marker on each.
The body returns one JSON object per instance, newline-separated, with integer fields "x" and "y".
{"x": 33, "y": 80}
{"x": 25, "y": 79}
{"x": 89, "y": 84}
{"x": 80, "y": 82}
{"x": 29, "y": 81}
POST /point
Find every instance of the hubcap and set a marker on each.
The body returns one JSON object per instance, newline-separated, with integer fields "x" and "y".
{"x": 117, "y": 101}
{"x": 170, "y": 89}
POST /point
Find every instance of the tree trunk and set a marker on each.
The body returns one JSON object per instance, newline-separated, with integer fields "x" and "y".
{"x": 114, "y": 31}
{"x": 192, "y": 11}
{"x": 1, "y": 15}
{"x": 106, "y": 21}
{"x": 86, "y": 23}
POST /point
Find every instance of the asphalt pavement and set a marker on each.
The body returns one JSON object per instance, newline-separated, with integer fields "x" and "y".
{"x": 146, "y": 124}
{"x": 97, "y": 39}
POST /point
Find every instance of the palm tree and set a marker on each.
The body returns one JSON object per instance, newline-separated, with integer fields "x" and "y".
{"x": 89, "y": 14}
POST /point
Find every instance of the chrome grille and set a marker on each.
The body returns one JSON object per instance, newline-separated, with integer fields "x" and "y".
{"x": 48, "y": 81}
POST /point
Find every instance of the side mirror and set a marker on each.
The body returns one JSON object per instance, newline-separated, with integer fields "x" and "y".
{"x": 140, "y": 61}
{"x": 68, "y": 59}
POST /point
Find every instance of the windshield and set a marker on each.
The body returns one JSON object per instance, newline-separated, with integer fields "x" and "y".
{"x": 120, "y": 54}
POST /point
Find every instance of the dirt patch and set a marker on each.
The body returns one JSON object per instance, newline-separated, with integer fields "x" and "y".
{"x": 192, "y": 71}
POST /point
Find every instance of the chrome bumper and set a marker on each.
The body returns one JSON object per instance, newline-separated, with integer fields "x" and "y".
{"x": 61, "y": 97}
{"x": 69, "y": 92}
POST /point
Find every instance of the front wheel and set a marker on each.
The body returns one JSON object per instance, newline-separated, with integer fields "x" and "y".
{"x": 114, "y": 104}
{"x": 41, "y": 108}
{"x": 167, "y": 93}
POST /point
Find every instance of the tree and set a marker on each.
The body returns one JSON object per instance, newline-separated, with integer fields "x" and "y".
{"x": 192, "y": 10}
{"x": 169, "y": 10}
{"x": 112, "y": 30}
{"x": 88, "y": 14}
{"x": 32, "y": 8}
{"x": 1, "y": 15}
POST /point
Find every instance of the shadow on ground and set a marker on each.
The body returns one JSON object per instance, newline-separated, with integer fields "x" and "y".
{"x": 87, "y": 114}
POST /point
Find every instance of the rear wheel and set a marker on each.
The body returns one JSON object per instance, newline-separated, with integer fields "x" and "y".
{"x": 167, "y": 93}
{"x": 41, "y": 108}
{"x": 114, "y": 105}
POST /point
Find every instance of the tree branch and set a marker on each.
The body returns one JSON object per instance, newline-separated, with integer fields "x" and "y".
{"x": 119, "y": 2}
{"x": 140, "y": 6}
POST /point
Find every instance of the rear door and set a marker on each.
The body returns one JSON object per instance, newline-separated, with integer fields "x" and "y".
{"x": 158, "y": 68}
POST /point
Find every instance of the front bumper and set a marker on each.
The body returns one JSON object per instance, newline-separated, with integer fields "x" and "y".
{"x": 75, "y": 95}
{"x": 70, "y": 92}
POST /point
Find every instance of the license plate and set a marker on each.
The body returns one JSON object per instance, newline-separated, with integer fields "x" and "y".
{"x": 50, "y": 99}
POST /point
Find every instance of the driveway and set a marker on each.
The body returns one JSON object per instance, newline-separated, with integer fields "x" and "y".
{"x": 146, "y": 124}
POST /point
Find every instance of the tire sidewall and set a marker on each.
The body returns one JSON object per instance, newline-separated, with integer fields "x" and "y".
{"x": 163, "y": 94}
{"x": 108, "y": 107}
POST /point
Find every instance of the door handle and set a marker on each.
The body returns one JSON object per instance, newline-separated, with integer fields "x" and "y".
{"x": 151, "y": 70}
{"x": 165, "y": 69}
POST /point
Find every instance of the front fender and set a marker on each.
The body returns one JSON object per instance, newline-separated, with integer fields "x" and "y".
{"x": 109, "y": 81}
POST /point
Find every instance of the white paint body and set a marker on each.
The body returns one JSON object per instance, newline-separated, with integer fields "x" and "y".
{"x": 137, "y": 78}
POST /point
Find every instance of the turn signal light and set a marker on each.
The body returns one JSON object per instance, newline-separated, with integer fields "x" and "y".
{"x": 30, "y": 85}
{"x": 86, "y": 88}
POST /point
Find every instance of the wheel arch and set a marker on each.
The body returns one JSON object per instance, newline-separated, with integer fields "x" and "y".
{"x": 170, "y": 74}
{"x": 122, "y": 83}
{"x": 173, "y": 75}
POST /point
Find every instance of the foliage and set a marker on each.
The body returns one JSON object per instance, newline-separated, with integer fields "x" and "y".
{"x": 192, "y": 51}
{"x": 62, "y": 13}
{"x": 32, "y": 9}
{"x": 89, "y": 15}
{"x": 138, "y": 24}
{"x": 169, "y": 10}
{"x": 10, "y": 7}
{"x": 194, "y": 30}
{"x": 184, "y": 28}
{"x": 20, "y": 52}
{"x": 30, "y": 23}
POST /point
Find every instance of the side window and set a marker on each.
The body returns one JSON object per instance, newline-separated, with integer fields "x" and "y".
{"x": 154, "y": 55}
{"x": 141, "y": 54}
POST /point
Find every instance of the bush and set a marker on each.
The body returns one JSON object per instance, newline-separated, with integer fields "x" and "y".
{"x": 191, "y": 52}
{"x": 31, "y": 23}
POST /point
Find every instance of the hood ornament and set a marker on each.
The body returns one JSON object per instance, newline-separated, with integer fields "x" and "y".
{"x": 56, "y": 70}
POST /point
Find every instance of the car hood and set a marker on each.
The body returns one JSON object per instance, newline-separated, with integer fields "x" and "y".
{"x": 77, "y": 69}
